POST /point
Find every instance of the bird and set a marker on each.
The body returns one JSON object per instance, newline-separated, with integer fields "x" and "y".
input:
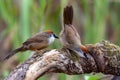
{"x": 37, "y": 42}
{"x": 69, "y": 36}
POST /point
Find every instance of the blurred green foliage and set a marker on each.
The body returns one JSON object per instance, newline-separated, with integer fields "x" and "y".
{"x": 24, "y": 18}
{"x": 95, "y": 27}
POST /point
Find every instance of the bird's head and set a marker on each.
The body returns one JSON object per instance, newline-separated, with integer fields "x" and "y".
{"x": 51, "y": 36}
{"x": 51, "y": 33}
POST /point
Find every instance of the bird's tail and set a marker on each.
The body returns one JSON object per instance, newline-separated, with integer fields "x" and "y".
{"x": 68, "y": 15}
{"x": 11, "y": 54}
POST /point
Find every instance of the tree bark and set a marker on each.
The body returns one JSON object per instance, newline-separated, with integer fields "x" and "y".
{"x": 103, "y": 57}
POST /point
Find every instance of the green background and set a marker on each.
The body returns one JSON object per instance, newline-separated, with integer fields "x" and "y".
{"x": 95, "y": 20}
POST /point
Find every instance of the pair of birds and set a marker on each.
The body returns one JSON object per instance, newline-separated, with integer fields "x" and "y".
{"x": 69, "y": 38}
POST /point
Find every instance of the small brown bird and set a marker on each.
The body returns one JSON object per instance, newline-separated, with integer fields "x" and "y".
{"x": 36, "y": 42}
{"x": 69, "y": 36}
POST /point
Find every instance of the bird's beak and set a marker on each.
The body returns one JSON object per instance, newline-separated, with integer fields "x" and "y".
{"x": 56, "y": 36}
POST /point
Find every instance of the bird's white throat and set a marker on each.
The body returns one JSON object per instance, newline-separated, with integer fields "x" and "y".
{"x": 51, "y": 39}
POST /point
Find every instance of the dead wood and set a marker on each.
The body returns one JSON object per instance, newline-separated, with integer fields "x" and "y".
{"x": 103, "y": 57}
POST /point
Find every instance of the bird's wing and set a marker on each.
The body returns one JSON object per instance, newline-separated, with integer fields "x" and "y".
{"x": 37, "y": 42}
{"x": 36, "y": 39}
{"x": 71, "y": 36}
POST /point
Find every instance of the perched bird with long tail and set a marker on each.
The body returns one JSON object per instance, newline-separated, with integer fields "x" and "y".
{"x": 37, "y": 42}
{"x": 69, "y": 36}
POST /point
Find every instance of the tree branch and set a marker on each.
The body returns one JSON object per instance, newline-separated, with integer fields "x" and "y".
{"x": 104, "y": 57}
